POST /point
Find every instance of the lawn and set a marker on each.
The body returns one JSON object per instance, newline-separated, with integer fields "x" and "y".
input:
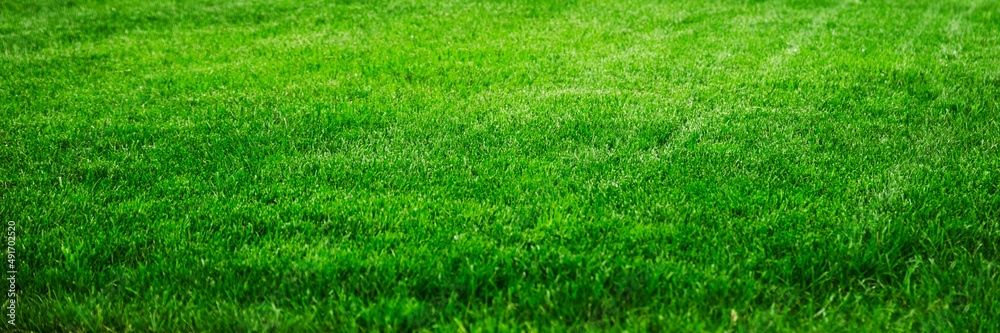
{"x": 457, "y": 165}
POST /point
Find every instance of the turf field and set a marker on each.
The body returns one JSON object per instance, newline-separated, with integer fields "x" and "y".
{"x": 295, "y": 166}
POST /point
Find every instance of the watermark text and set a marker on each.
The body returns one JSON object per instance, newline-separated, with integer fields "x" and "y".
{"x": 10, "y": 307}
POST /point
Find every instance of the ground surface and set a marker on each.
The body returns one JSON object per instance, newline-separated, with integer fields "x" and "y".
{"x": 463, "y": 165}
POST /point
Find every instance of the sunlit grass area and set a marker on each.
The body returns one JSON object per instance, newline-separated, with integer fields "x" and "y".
{"x": 295, "y": 166}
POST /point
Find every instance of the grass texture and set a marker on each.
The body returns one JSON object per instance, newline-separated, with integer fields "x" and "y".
{"x": 454, "y": 165}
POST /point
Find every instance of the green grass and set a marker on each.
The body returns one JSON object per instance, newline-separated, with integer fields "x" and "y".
{"x": 286, "y": 166}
